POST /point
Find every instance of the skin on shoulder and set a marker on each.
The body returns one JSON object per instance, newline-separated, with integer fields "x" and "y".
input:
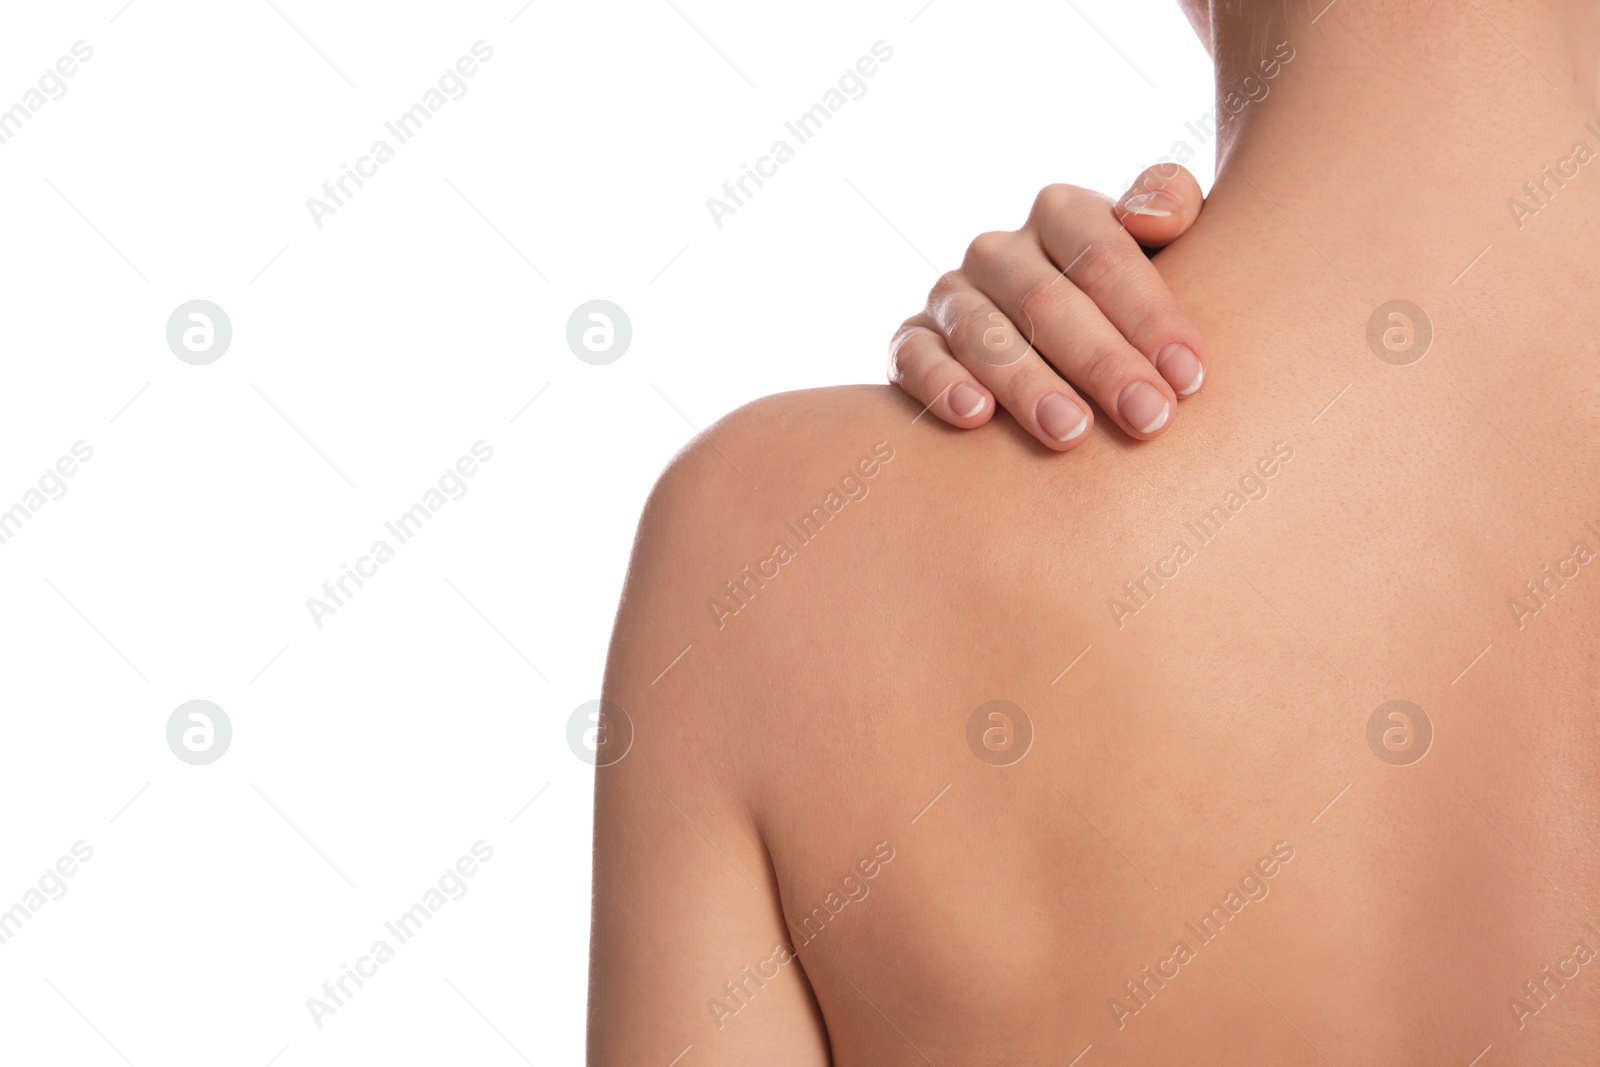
{"x": 796, "y": 710}
{"x": 723, "y": 577}
{"x": 825, "y": 590}
{"x": 800, "y": 515}
{"x": 780, "y": 628}
{"x": 817, "y": 850}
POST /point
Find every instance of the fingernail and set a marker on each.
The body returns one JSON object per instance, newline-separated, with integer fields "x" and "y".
{"x": 1061, "y": 418}
{"x": 1181, "y": 368}
{"x": 1143, "y": 407}
{"x": 966, "y": 401}
{"x": 1157, "y": 203}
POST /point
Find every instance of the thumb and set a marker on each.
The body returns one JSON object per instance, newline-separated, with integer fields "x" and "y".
{"x": 1161, "y": 205}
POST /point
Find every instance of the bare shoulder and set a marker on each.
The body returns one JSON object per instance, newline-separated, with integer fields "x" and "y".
{"x": 742, "y": 512}
{"x": 769, "y": 445}
{"x": 731, "y": 604}
{"x": 817, "y": 550}
{"x": 734, "y": 492}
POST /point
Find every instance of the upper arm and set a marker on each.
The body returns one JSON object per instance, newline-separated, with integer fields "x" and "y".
{"x": 688, "y": 941}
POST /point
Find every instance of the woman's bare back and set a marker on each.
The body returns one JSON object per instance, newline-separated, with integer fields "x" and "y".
{"x": 1272, "y": 741}
{"x": 1251, "y": 743}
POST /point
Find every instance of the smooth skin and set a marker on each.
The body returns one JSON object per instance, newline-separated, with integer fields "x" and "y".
{"x": 1069, "y": 300}
{"x": 823, "y": 847}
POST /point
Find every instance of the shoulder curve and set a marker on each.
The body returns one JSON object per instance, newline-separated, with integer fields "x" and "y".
{"x": 725, "y": 478}
{"x": 784, "y": 428}
{"x": 734, "y": 491}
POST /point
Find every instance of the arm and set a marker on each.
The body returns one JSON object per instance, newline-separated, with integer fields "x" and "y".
{"x": 1071, "y": 295}
{"x": 684, "y": 897}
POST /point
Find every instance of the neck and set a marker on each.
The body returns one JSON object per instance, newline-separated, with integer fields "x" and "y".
{"x": 1375, "y": 134}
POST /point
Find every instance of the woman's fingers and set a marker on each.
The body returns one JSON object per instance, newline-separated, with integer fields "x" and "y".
{"x": 1069, "y": 331}
{"x": 1072, "y": 292}
{"x": 920, "y": 362}
{"x": 1104, "y": 261}
{"x": 1161, "y": 205}
{"x": 988, "y": 345}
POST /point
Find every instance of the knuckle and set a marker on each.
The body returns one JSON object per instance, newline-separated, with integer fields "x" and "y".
{"x": 969, "y": 320}
{"x": 905, "y": 330}
{"x": 901, "y": 351}
{"x": 1055, "y": 199}
{"x": 1158, "y": 322}
{"x": 918, "y": 361}
{"x": 980, "y": 333}
{"x": 1104, "y": 368}
{"x": 949, "y": 283}
{"x": 1041, "y": 301}
{"x": 917, "y": 332}
{"x": 894, "y": 366}
{"x": 989, "y": 248}
{"x": 1099, "y": 263}
{"x": 1024, "y": 387}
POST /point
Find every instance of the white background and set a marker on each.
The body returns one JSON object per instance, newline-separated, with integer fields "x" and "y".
{"x": 367, "y": 355}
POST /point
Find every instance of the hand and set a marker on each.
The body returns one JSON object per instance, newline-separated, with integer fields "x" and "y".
{"x": 1072, "y": 295}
